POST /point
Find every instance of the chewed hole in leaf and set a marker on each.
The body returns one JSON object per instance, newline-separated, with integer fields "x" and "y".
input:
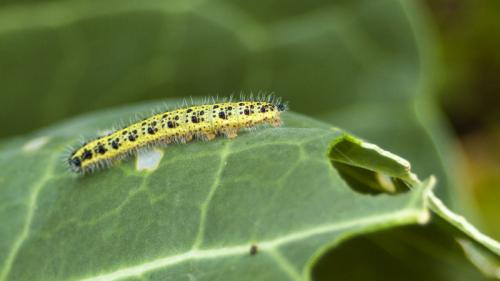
{"x": 368, "y": 169}
{"x": 369, "y": 182}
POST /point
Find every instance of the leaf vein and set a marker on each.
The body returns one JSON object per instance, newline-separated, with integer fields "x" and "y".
{"x": 32, "y": 205}
{"x": 213, "y": 188}
{"x": 284, "y": 264}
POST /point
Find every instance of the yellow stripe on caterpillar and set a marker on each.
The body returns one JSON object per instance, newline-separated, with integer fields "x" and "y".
{"x": 177, "y": 126}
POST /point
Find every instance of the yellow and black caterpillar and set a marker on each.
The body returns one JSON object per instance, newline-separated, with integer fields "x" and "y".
{"x": 204, "y": 122}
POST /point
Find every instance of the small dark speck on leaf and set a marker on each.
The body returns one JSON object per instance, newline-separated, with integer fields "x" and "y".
{"x": 253, "y": 250}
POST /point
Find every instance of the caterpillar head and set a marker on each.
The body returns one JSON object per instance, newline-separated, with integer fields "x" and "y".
{"x": 75, "y": 163}
{"x": 281, "y": 107}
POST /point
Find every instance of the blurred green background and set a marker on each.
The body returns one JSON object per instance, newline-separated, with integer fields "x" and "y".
{"x": 418, "y": 78}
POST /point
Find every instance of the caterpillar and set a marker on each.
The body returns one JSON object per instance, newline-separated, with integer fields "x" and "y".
{"x": 204, "y": 121}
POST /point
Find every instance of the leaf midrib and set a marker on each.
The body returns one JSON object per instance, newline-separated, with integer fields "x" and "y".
{"x": 405, "y": 216}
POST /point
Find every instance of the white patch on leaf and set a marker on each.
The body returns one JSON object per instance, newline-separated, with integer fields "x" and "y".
{"x": 424, "y": 217}
{"x": 35, "y": 144}
{"x": 385, "y": 182}
{"x": 148, "y": 160}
